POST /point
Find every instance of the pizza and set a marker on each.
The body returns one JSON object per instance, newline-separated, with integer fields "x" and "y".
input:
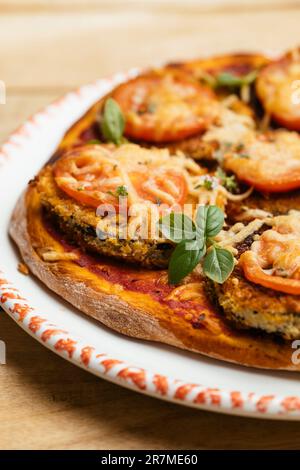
{"x": 170, "y": 211}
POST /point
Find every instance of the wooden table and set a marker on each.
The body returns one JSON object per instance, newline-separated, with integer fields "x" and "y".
{"x": 47, "y": 48}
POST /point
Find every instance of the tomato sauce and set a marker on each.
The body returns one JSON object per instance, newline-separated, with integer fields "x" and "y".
{"x": 150, "y": 282}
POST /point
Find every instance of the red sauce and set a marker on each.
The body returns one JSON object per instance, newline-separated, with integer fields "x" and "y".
{"x": 141, "y": 280}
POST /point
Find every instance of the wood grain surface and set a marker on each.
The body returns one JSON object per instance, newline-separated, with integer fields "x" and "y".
{"x": 47, "y": 48}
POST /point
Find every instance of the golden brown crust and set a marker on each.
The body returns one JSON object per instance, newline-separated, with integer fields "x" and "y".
{"x": 135, "y": 314}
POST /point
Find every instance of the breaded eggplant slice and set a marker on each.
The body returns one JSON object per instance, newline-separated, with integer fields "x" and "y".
{"x": 78, "y": 224}
{"x": 252, "y": 306}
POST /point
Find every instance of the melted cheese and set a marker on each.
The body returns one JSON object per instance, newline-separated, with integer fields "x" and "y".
{"x": 278, "y": 249}
{"x": 266, "y": 159}
{"x": 250, "y": 214}
{"x": 231, "y": 127}
{"x": 143, "y": 215}
{"x": 53, "y": 255}
{"x": 203, "y": 189}
{"x": 267, "y": 156}
{"x": 238, "y": 233}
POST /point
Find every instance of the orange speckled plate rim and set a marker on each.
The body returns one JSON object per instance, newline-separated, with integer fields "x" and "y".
{"x": 87, "y": 356}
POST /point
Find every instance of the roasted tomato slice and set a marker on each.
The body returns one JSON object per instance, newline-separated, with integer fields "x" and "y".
{"x": 269, "y": 162}
{"x": 88, "y": 175}
{"x": 167, "y": 187}
{"x": 96, "y": 174}
{"x": 165, "y": 107}
{"x": 254, "y": 273}
{"x": 274, "y": 259}
{"x": 238, "y": 65}
{"x": 278, "y": 88}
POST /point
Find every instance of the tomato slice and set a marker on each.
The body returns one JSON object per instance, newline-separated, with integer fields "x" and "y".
{"x": 278, "y": 88}
{"x": 165, "y": 107}
{"x": 172, "y": 186}
{"x": 94, "y": 175}
{"x": 85, "y": 174}
{"x": 254, "y": 273}
{"x": 270, "y": 162}
{"x": 273, "y": 260}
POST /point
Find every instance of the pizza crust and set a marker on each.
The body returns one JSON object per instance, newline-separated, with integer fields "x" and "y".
{"x": 75, "y": 284}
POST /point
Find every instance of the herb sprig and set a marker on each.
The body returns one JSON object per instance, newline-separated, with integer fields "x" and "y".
{"x": 226, "y": 79}
{"x": 113, "y": 122}
{"x": 195, "y": 242}
{"x": 229, "y": 182}
{"x": 229, "y": 80}
{"x": 120, "y": 191}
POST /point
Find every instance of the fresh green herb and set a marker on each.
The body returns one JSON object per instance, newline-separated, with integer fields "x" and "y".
{"x": 177, "y": 227}
{"x": 208, "y": 79}
{"x": 120, "y": 191}
{"x": 226, "y": 79}
{"x": 184, "y": 259}
{"x": 206, "y": 184}
{"x": 229, "y": 182}
{"x": 240, "y": 147}
{"x": 113, "y": 122}
{"x": 218, "y": 264}
{"x": 195, "y": 242}
{"x": 94, "y": 142}
{"x": 209, "y": 221}
{"x": 80, "y": 188}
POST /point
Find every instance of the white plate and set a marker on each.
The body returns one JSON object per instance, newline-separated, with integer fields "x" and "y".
{"x": 154, "y": 369}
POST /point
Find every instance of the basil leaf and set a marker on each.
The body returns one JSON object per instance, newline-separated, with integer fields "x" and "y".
{"x": 227, "y": 79}
{"x": 209, "y": 221}
{"x": 184, "y": 259}
{"x": 113, "y": 122}
{"x": 218, "y": 264}
{"x": 177, "y": 227}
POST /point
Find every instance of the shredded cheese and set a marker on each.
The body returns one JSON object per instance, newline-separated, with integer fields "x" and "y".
{"x": 58, "y": 256}
{"x": 131, "y": 159}
{"x": 266, "y": 154}
{"x": 278, "y": 249}
{"x": 238, "y": 232}
{"x": 250, "y": 214}
{"x": 231, "y": 127}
